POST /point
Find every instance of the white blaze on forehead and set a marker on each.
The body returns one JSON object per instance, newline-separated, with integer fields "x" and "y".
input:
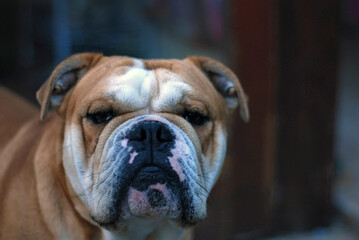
{"x": 137, "y": 63}
{"x": 133, "y": 87}
{"x": 171, "y": 93}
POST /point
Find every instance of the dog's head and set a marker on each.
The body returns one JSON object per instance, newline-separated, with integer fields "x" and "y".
{"x": 143, "y": 138}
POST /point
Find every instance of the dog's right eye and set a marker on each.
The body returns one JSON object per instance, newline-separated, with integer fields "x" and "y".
{"x": 195, "y": 118}
{"x": 100, "y": 117}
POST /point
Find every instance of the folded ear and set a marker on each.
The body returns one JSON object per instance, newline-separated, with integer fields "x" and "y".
{"x": 63, "y": 78}
{"x": 226, "y": 83}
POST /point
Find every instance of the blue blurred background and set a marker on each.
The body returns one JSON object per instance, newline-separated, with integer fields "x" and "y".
{"x": 37, "y": 35}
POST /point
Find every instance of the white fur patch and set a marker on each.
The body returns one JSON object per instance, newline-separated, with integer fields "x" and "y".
{"x": 74, "y": 162}
{"x": 137, "y": 63}
{"x": 132, "y": 88}
{"x": 171, "y": 93}
{"x": 213, "y": 170}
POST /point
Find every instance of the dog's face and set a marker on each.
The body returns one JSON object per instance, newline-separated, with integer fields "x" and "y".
{"x": 143, "y": 139}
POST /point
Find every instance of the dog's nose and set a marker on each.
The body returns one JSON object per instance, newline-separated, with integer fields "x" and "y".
{"x": 150, "y": 134}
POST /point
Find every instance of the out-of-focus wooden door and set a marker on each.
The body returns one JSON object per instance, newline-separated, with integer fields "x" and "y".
{"x": 277, "y": 176}
{"x": 241, "y": 201}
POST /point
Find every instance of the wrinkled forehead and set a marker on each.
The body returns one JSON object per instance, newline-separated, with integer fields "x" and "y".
{"x": 139, "y": 83}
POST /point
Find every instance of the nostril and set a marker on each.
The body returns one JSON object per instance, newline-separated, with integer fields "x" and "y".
{"x": 164, "y": 134}
{"x": 139, "y": 135}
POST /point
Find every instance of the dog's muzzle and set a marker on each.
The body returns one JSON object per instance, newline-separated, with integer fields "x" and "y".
{"x": 151, "y": 142}
{"x": 149, "y": 169}
{"x": 154, "y": 189}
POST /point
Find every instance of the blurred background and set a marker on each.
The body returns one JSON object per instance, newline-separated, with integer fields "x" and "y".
{"x": 293, "y": 171}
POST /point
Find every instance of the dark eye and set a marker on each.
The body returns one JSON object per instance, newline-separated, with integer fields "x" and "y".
{"x": 100, "y": 117}
{"x": 195, "y": 118}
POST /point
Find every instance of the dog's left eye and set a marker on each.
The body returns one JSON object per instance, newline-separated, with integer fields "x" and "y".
{"x": 100, "y": 117}
{"x": 195, "y": 118}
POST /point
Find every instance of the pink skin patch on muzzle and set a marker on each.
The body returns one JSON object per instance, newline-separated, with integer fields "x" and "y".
{"x": 133, "y": 155}
{"x": 124, "y": 143}
{"x": 179, "y": 152}
{"x": 175, "y": 165}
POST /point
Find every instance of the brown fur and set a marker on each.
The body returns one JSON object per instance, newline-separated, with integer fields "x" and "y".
{"x": 37, "y": 200}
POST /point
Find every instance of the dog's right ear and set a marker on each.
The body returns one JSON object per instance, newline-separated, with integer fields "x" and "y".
{"x": 226, "y": 83}
{"x": 63, "y": 78}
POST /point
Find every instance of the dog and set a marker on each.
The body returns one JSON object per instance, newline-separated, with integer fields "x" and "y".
{"x": 124, "y": 149}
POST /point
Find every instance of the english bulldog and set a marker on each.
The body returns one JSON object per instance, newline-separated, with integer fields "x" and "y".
{"x": 125, "y": 149}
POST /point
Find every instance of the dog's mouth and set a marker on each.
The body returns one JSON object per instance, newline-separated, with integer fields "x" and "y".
{"x": 150, "y": 193}
{"x": 149, "y": 175}
{"x": 153, "y": 194}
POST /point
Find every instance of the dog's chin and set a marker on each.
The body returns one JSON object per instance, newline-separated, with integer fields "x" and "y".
{"x": 156, "y": 202}
{"x": 153, "y": 195}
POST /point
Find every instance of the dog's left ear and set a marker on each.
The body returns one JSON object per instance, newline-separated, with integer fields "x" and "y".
{"x": 63, "y": 79}
{"x": 226, "y": 83}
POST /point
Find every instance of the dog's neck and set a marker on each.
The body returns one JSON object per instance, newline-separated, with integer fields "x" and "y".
{"x": 147, "y": 229}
